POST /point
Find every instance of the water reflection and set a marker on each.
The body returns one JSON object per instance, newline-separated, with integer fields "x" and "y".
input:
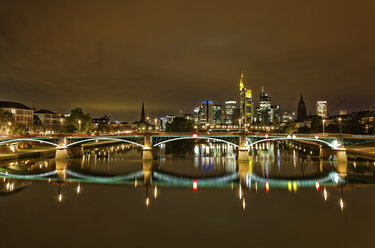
{"x": 272, "y": 167}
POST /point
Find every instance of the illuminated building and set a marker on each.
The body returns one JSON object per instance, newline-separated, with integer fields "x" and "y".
{"x": 21, "y": 113}
{"x": 264, "y": 110}
{"x": 245, "y": 102}
{"x": 301, "y": 111}
{"x": 206, "y": 112}
{"x": 48, "y": 119}
{"x": 230, "y": 106}
{"x": 321, "y": 109}
{"x": 217, "y": 114}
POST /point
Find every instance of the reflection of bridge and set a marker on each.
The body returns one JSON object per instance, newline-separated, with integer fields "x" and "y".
{"x": 149, "y": 176}
{"x": 71, "y": 146}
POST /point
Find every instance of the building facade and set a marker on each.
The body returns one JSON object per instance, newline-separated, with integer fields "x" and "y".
{"x": 321, "y": 109}
{"x": 21, "y": 113}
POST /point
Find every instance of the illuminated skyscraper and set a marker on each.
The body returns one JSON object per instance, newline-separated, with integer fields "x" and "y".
{"x": 245, "y": 102}
{"x": 230, "y": 106}
{"x": 321, "y": 108}
{"x": 217, "y": 114}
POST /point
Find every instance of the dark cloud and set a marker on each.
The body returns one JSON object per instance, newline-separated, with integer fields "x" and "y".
{"x": 106, "y": 56}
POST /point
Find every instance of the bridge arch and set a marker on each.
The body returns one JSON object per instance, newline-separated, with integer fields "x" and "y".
{"x": 105, "y": 138}
{"x": 192, "y": 137}
{"x": 333, "y": 146}
{"x": 27, "y": 139}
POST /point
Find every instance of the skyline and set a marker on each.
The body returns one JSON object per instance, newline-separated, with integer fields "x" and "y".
{"x": 108, "y": 57}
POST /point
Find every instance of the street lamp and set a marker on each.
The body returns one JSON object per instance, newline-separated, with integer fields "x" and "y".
{"x": 79, "y": 126}
{"x": 340, "y": 126}
{"x": 323, "y": 124}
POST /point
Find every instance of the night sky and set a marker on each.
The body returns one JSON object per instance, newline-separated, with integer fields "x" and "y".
{"x": 106, "y": 56}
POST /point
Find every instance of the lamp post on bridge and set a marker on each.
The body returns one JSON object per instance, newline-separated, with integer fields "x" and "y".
{"x": 79, "y": 126}
{"x": 323, "y": 124}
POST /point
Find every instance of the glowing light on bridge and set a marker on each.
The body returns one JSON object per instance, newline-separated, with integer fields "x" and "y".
{"x": 267, "y": 186}
{"x": 266, "y": 136}
{"x": 317, "y": 185}
{"x": 290, "y": 186}
{"x": 316, "y": 137}
{"x": 294, "y": 186}
{"x": 195, "y": 185}
{"x": 195, "y": 135}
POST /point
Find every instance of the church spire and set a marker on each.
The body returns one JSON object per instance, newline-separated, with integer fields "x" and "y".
{"x": 143, "y": 116}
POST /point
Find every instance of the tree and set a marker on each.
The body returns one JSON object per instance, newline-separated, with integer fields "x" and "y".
{"x": 78, "y": 122}
{"x": 19, "y": 129}
{"x": 304, "y": 129}
{"x": 290, "y": 128}
{"x": 180, "y": 124}
{"x": 5, "y": 117}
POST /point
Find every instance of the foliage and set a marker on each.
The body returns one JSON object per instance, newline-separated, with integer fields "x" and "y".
{"x": 290, "y": 128}
{"x": 72, "y": 124}
{"x": 5, "y": 117}
{"x": 19, "y": 129}
{"x": 304, "y": 129}
{"x": 180, "y": 124}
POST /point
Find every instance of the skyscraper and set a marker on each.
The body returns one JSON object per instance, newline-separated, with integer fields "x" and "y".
{"x": 321, "y": 108}
{"x": 245, "y": 102}
{"x": 230, "y": 106}
{"x": 301, "y": 111}
{"x": 264, "y": 110}
{"x": 217, "y": 114}
{"x": 206, "y": 112}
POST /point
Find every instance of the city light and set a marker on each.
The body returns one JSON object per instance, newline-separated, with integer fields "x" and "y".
{"x": 341, "y": 204}
{"x": 195, "y": 185}
{"x": 267, "y": 186}
{"x": 155, "y": 192}
{"x": 317, "y": 186}
{"x": 325, "y": 194}
{"x": 78, "y": 188}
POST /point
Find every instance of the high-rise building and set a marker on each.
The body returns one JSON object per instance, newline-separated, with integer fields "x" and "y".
{"x": 206, "y": 112}
{"x": 245, "y": 102}
{"x": 321, "y": 109}
{"x": 275, "y": 114}
{"x": 230, "y": 105}
{"x": 217, "y": 114}
{"x": 264, "y": 110}
{"x": 301, "y": 110}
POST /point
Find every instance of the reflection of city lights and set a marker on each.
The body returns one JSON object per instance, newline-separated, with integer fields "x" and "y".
{"x": 290, "y": 186}
{"x": 78, "y": 188}
{"x": 60, "y": 197}
{"x": 341, "y": 204}
{"x": 195, "y": 184}
{"x": 294, "y": 186}
{"x": 243, "y": 204}
{"x": 267, "y": 186}
{"x": 147, "y": 201}
{"x": 155, "y": 191}
{"x": 317, "y": 186}
{"x": 325, "y": 194}
{"x": 240, "y": 192}
{"x": 135, "y": 183}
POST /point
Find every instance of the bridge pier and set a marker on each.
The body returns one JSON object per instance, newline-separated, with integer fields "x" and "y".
{"x": 147, "y": 151}
{"x": 65, "y": 152}
{"x": 243, "y": 150}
